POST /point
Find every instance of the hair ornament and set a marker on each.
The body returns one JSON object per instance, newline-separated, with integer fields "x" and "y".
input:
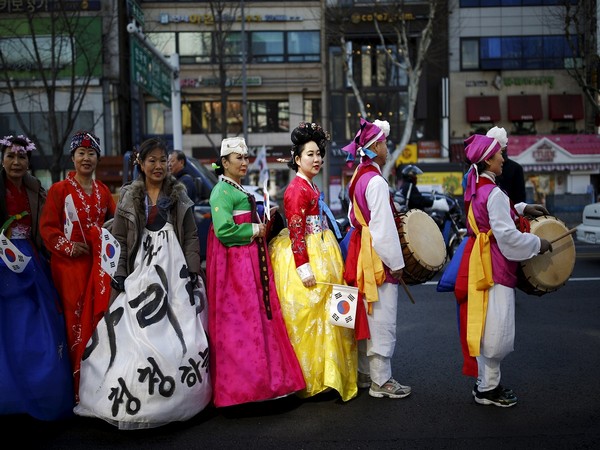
{"x": 8, "y": 141}
{"x": 215, "y": 166}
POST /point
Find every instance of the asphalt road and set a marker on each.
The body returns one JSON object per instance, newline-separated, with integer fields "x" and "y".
{"x": 554, "y": 371}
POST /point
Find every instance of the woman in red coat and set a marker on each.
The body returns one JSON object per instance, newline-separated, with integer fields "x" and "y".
{"x": 75, "y": 245}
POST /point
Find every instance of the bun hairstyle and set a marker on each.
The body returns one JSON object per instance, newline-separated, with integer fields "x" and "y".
{"x": 304, "y": 133}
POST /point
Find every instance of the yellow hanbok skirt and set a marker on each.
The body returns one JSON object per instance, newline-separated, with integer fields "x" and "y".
{"x": 327, "y": 353}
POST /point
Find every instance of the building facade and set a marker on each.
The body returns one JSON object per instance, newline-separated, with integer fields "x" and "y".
{"x": 508, "y": 67}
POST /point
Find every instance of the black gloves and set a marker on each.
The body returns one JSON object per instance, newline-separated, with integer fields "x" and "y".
{"x": 545, "y": 246}
{"x": 118, "y": 283}
{"x": 194, "y": 278}
{"x": 535, "y": 211}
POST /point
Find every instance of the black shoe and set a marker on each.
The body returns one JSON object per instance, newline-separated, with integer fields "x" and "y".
{"x": 497, "y": 397}
{"x": 505, "y": 390}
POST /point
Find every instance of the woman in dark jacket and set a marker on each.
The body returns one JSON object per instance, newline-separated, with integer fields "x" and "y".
{"x": 147, "y": 364}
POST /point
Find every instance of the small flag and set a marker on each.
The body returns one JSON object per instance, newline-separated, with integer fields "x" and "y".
{"x": 260, "y": 164}
{"x": 111, "y": 250}
{"x": 266, "y": 200}
{"x": 11, "y": 255}
{"x": 342, "y": 305}
{"x": 70, "y": 216}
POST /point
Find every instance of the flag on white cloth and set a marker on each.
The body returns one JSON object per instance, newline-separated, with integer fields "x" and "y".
{"x": 260, "y": 164}
{"x": 111, "y": 250}
{"x": 11, "y": 255}
{"x": 70, "y": 216}
{"x": 266, "y": 201}
{"x": 342, "y": 305}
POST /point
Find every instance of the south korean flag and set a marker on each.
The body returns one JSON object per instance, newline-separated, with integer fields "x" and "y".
{"x": 111, "y": 250}
{"x": 11, "y": 255}
{"x": 342, "y": 305}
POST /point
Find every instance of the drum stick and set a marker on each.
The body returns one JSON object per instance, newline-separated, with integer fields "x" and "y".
{"x": 407, "y": 291}
{"x": 565, "y": 234}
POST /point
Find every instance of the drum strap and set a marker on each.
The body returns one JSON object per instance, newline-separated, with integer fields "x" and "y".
{"x": 480, "y": 281}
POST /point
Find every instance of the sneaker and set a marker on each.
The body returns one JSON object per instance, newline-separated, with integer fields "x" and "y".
{"x": 497, "y": 397}
{"x": 364, "y": 380}
{"x": 505, "y": 390}
{"x": 391, "y": 389}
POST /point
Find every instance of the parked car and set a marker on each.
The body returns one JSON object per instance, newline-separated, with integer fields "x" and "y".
{"x": 589, "y": 230}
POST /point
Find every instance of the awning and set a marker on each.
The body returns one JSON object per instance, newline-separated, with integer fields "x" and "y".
{"x": 483, "y": 109}
{"x": 560, "y": 167}
{"x": 565, "y": 107}
{"x": 524, "y": 107}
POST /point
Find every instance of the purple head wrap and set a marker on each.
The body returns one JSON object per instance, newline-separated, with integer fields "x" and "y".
{"x": 367, "y": 135}
{"x": 478, "y": 148}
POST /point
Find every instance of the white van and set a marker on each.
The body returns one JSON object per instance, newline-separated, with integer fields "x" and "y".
{"x": 589, "y": 230}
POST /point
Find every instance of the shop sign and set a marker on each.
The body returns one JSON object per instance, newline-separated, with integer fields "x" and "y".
{"x": 544, "y": 154}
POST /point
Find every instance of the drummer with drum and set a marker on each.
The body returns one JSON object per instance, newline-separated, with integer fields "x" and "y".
{"x": 374, "y": 262}
{"x": 487, "y": 277}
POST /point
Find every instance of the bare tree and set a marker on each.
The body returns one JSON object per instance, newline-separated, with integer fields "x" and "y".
{"x": 412, "y": 63}
{"x": 47, "y": 64}
{"x": 579, "y": 24}
{"x": 411, "y": 33}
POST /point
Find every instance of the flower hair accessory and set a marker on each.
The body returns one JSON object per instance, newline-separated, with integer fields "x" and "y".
{"x": 314, "y": 127}
{"x": 215, "y": 166}
{"x": 9, "y": 141}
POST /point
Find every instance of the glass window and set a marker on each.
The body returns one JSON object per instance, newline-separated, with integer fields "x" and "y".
{"x": 312, "y": 110}
{"x": 268, "y": 116}
{"x": 366, "y": 67}
{"x": 194, "y": 47}
{"x": 20, "y": 53}
{"x": 267, "y": 46}
{"x": 233, "y": 47}
{"x": 165, "y": 43}
{"x": 469, "y": 54}
{"x": 156, "y": 114}
{"x": 304, "y": 46}
{"x": 518, "y": 53}
{"x": 336, "y": 68}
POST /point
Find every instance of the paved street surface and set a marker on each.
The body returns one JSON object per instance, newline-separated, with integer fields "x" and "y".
{"x": 555, "y": 371}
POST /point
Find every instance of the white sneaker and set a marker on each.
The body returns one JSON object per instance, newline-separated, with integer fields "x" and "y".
{"x": 391, "y": 389}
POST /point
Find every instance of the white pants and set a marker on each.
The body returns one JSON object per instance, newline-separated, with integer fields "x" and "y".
{"x": 498, "y": 336}
{"x": 375, "y": 354}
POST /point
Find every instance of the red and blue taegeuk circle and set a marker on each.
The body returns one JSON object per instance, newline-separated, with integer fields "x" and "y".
{"x": 343, "y": 307}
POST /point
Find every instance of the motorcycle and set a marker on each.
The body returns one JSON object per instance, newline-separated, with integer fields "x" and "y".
{"x": 447, "y": 213}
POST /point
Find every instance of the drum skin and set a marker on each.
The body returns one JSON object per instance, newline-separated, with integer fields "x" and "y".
{"x": 422, "y": 244}
{"x": 548, "y": 272}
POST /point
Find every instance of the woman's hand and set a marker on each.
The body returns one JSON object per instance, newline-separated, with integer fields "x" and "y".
{"x": 79, "y": 249}
{"x": 310, "y": 281}
{"x": 262, "y": 230}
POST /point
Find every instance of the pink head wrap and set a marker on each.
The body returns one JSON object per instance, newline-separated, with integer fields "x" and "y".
{"x": 478, "y": 148}
{"x": 367, "y": 135}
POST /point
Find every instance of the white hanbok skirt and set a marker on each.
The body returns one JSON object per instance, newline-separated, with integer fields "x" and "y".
{"x": 147, "y": 362}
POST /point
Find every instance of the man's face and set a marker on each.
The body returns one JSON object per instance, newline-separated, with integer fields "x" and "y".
{"x": 175, "y": 165}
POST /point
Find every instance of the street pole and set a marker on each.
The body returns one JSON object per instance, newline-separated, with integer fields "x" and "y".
{"x": 244, "y": 86}
{"x": 176, "y": 104}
